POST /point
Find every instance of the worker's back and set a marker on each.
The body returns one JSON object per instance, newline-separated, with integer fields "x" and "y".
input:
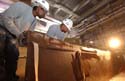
{"x": 22, "y": 16}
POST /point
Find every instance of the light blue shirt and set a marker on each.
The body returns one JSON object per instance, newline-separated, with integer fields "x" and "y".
{"x": 18, "y": 18}
{"x": 55, "y": 32}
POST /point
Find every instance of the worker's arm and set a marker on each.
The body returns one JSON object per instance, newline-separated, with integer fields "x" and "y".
{"x": 63, "y": 38}
{"x": 9, "y": 18}
{"x": 11, "y": 27}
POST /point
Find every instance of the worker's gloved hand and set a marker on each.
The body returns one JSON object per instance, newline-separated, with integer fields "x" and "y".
{"x": 23, "y": 39}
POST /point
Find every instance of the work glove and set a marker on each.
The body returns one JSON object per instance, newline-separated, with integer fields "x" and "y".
{"x": 23, "y": 39}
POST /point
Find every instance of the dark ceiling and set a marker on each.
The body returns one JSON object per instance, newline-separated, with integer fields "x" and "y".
{"x": 94, "y": 20}
{"x": 83, "y": 12}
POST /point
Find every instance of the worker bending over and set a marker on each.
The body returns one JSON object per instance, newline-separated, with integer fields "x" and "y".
{"x": 60, "y": 31}
{"x": 19, "y": 17}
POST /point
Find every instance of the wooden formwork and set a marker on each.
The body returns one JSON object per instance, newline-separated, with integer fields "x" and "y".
{"x": 53, "y": 60}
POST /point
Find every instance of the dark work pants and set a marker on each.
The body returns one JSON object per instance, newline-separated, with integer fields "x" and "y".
{"x": 2, "y": 54}
{"x": 10, "y": 56}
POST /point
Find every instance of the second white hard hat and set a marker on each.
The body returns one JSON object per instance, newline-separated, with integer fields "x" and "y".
{"x": 68, "y": 23}
{"x": 43, "y": 3}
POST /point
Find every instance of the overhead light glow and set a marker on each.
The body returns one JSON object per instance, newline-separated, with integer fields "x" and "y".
{"x": 114, "y": 43}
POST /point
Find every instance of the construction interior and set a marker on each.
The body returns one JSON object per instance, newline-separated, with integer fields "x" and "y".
{"x": 87, "y": 54}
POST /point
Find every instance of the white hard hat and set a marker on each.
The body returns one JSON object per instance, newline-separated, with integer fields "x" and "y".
{"x": 68, "y": 23}
{"x": 43, "y": 3}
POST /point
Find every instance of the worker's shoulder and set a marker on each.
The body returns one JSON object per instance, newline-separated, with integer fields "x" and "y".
{"x": 54, "y": 25}
{"x": 20, "y": 4}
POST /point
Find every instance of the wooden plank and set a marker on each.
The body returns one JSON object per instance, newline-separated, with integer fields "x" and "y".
{"x": 30, "y": 71}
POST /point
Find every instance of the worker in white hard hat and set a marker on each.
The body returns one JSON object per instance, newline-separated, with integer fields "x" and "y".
{"x": 60, "y": 31}
{"x": 41, "y": 7}
{"x": 19, "y": 17}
